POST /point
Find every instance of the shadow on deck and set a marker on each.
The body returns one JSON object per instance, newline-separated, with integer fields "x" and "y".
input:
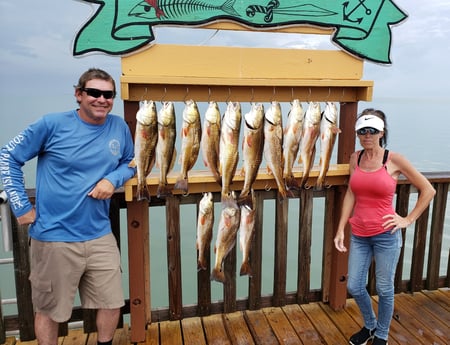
{"x": 419, "y": 318}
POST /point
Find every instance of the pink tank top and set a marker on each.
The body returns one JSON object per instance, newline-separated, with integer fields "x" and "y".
{"x": 374, "y": 192}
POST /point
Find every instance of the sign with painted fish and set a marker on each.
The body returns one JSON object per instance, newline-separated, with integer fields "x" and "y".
{"x": 362, "y": 27}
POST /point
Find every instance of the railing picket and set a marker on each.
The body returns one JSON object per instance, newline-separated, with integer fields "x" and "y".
{"x": 280, "y": 266}
{"x": 418, "y": 255}
{"x": 436, "y": 234}
{"x": 255, "y": 281}
{"x": 328, "y": 242}
{"x": 174, "y": 257}
{"x": 304, "y": 245}
{"x": 402, "y": 205}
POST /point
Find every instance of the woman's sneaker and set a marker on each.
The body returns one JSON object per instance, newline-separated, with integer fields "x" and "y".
{"x": 378, "y": 341}
{"x": 362, "y": 337}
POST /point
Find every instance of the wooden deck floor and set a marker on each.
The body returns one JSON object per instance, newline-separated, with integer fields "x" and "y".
{"x": 421, "y": 318}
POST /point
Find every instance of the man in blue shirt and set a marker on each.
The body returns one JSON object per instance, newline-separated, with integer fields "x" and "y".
{"x": 83, "y": 156}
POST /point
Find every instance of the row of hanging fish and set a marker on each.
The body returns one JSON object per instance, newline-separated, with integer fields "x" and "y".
{"x": 263, "y": 136}
{"x": 233, "y": 219}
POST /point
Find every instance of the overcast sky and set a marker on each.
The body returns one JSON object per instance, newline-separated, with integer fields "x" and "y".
{"x": 37, "y": 36}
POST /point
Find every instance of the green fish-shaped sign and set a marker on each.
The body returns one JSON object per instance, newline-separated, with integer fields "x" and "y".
{"x": 362, "y": 27}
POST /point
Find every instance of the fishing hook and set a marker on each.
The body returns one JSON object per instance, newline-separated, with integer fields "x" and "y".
{"x": 267, "y": 188}
{"x": 143, "y": 95}
{"x": 209, "y": 94}
{"x": 164, "y": 95}
{"x": 229, "y": 95}
{"x": 187, "y": 93}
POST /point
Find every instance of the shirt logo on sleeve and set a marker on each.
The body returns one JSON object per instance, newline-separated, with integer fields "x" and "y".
{"x": 114, "y": 147}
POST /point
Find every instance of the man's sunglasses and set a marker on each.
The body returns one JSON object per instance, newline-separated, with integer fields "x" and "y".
{"x": 96, "y": 93}
{"x": 365, "y": 130}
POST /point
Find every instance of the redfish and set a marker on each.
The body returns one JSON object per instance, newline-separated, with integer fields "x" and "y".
{"x": 252, "y": 149}
{"x": 291, "y": 142}
{"x": 328, "y": 134}
{"x": 191, "y": 134}
{"x": 205, "y": 222}
{"x": 210, "y": 140}
{"x": 246, "y": 234}
{"x": 226, "y": 236}
{"x": 145, "y": 139}
{"x": 310, "y": 134}
{"x": 165, "y": 148}
{"x": 229, "y": 145}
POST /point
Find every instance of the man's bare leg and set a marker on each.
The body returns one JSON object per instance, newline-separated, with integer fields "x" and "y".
{"x": 46, "y": 329}
{"x": 107, "y": 320}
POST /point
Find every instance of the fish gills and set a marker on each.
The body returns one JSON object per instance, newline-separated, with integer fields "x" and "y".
{"x": 226, "y": 235}
{"x": 310, "y": 134}
{"x": 273, "y": 145}
{"x": 291, "y": 142}
{"x": 165, "y": 148}
{"x": 229, "y": 145}
{"x": 191, "y": 134}
{"x": 146, "y": 137}
{"x": 246, "y": 234}
{"x": 252, "y": 150}
{"x": 328, "y": 134}
{"x": 205, "y": 222}
{"x": 210, "y": 140}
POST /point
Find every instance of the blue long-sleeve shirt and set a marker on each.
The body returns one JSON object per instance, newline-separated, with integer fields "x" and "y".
{"x": 73, "y": 156}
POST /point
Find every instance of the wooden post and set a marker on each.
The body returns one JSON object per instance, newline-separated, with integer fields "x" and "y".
{"x": 346, "y": 146}
{"x": 139, "y": 268}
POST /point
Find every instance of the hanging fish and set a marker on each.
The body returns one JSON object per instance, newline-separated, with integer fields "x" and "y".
{"x": 205, "y": 222}
{"x": 226, "y": 236}
{"x": 273, "y": 145}
{"x": 210, "y": 140}
{"x": 246, "y": 234}
{"x": 191, "y": 134}
{"x": 252, "y": 149}
{"x": 291, "y": 142}
{"x": 229, "y": 145}
{"x": 165, "y": 148}
{"x": 310, "y": 134}
{"x": 328, "y": 134}
{"x": 145, "y": 139}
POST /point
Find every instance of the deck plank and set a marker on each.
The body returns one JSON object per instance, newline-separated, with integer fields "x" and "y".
{"x": 281, "y": 326}
{"x": 237, "y": 330}
{"x": 326, "y": 328}
{"x": 170, "y": 333}
{"x": 343, "y": 321}
{"x": 152, "y": 337}
{"x": 193, "y": 331}
{"x": 260, "y": 328}
{"x": 215, "y": 331}
{"x": 302, "y": 325}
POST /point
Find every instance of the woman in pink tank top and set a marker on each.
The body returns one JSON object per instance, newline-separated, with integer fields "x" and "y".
{"x": 368, "y": 207}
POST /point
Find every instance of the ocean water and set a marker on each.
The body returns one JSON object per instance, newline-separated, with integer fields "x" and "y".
{"x": 417, "y": 129}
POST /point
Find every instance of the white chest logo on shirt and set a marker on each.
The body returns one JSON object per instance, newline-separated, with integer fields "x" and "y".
{"x": 114, "y": 147}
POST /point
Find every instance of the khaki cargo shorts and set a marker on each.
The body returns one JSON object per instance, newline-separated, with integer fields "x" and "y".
{"x": 58, "y": 269}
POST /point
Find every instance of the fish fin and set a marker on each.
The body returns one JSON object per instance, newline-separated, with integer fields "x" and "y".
{"x": 132, "y": 164}
{"x": 143, "y": 193}
{"x": 172, "y": 162}
{"x": 202, "y": 220}
{"x": 163, "y": 191}
{"x": 246, "y": 269}
{"x": 291, "y": 183}
{"x": 336, "y": 130}
{"x": 181, "y": 184}
{"x": 218, "y": 275}
{"x": 201, "y": 265}
{"x": 245, "y": 200}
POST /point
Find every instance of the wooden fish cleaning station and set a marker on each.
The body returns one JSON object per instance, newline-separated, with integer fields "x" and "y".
{"x": 222, "y": 74}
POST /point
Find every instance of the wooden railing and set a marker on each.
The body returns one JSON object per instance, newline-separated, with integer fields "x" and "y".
{"x": 424, "y": 270}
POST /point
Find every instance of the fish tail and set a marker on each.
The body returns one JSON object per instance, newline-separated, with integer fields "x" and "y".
{"x": 163, "y": 191}
{"x": 181, "y": 184}
{"x": 228, "y": 8}
{"x": 291, "y": 183}
{"x": 245, "y": 200}
{"x": 246, "y": 269}
{"x": 142, "y": 192}
{"x": 201, "y": 264}
{"x": 218, "y": 275}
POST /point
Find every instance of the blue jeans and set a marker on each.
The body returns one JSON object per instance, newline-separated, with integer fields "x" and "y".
{"x": 385, "y": 249}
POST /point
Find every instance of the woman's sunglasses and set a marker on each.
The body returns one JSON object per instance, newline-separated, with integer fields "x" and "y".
{"x": 365, "y": 130}
{"x": 96, "y": 93}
